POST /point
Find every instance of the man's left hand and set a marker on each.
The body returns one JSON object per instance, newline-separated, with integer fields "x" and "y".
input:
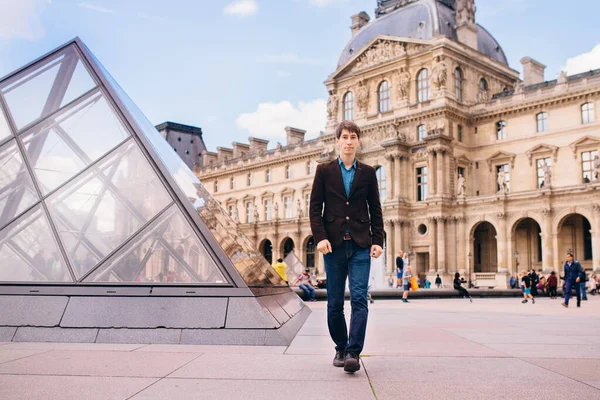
{"x": 376, "y": 251}
{"x": 578, "y": 280}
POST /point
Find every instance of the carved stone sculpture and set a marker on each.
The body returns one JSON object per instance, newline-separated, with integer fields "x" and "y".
{"x": 299, "y": 212}
{"x": 332, "y": 106}
{"x": 596, "y": 173}
{"x": 501, "y": 182}
{"x": 547, "y": 175}
{"x": 461, "y": 188}
{"x": 362, "y": 96}
{"x": 439, "y": 76}
{"x": 403, "y": 84}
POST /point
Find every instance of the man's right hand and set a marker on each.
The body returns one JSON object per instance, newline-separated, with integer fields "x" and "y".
{"x": 324, "y": 246}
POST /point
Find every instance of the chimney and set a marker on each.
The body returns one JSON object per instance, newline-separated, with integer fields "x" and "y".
{"x": 358, "y": 21}
{"x": 257, "y": 145}
{"x": 466, "y": 30}
{"x": 294, "y": 136}
{"x": 533, "y": 71}
{"x": 240, "y": 149}
{"x": 224, "y": 154}
{"x": 208, "y": 158}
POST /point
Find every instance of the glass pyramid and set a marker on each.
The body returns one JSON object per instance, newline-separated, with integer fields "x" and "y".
{"x": 91, "y": 194}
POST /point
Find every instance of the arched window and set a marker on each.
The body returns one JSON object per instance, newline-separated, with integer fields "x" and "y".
{"x": 381, "y": 181}
{"x": 349, "y": 106}
{"x": 423, "y": 88}
{"x": 542, "y": 121}
{"x": 483, "y": 85}
{"x": 421, "y": 132}
{"x": 384, "y": 96}
{"x": 501, "y": 130}
{"x": 458, "y": 84}
{"x": 587, "y": 113}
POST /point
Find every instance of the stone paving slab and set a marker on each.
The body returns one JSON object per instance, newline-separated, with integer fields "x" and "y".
{"x": 7, "y": 333}
{"x": 545, "y": 351}
{"x": 264, "y": 366}
{"x": 74, "y": 346}
{"x": 60, "y": 335}
{"x": 575, "y": 368}
{"x": 256, "y": 390}
{"x": 191, "y": 348}
{"x": 106, "y": 363}
{"x": 23, "y": 387}
{"x": 7, "y": 355}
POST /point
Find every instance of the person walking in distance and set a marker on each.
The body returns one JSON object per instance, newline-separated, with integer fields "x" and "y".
{"x": 552, "y": 285}
{"x": 347, "y": 223}
{"x": 458, "y": 286}
{"x": 573, "y": 273}
{"x": 526, "y": 280}
{"x": 399, "y": 269}
{"x": 438, "y": 281}
{"x": 406, "y": 277}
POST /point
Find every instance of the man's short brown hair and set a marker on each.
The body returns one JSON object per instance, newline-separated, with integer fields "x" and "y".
{"x": 349, "y": 126}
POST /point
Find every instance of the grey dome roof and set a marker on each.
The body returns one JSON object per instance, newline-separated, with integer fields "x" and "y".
{"x": 424, "y": 19}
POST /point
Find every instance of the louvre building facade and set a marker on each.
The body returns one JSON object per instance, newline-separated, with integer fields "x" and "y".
{"x": 480, "y": 172}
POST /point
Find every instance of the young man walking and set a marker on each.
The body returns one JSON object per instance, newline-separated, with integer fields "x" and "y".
{"x": 573, "y": 273}
{"x": 526, "y": 279}
{"x": 347, "y": 224}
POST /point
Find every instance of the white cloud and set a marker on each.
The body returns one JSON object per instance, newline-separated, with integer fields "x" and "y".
{"x": 325, "y": 3}
{"x": 583, "y": 62}
{"x": 270, "y": 119}
{"x": 286, "y": 58}
{"x": 283, "y": 74}
{"x": 241, "y": 8}
{"x": 21, "y": 19}
{"x": 152, "y": 18}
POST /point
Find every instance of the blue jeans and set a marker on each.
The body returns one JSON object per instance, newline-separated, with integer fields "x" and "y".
{"x": 583, "y": 293}
{"x": 308, "y": 290}
{"x": 352, "y": 261}
{"x": 572, "y": 284}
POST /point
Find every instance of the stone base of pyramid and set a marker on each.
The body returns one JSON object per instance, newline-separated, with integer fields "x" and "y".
{"x": 271, "y": 320}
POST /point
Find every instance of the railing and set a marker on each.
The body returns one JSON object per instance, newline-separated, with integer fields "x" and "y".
{"x": 485, "y": 279}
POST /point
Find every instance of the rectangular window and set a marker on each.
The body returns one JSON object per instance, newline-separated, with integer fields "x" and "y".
{"x": 231, "y": 211}
{"x": 288, "y": 207}
{"x": 268, "y": 210}
{"x": 501, "y": 130}
{"x": 461, "y": 171}
{"x": 460, "y": 136}
{"x": 232, "y": 183}
{"x": 421, "y": 132}
{"x": 249, "y": 179}
{"x": 587, "y": 113}
{"x": 309, "y": 168}
{"x": 588, "y": 158}
{"x": 288, "y": 172}
{"x": 542, "y": 122}
{"x": 307, "y": 201}
{"x": 422, "y": 184}
{"x": 268, "y": 176}
{"x": 249, "y": 212}
{"x": 505, "y": 169}
{"x": 216, "y": 186}
{"x": 542, "y": 164}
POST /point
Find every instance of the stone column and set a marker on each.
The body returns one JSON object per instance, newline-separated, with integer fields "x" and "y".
{"x": 431, "y": 169}
{"x": 398, "y": 237}
{"x": 399, "y": 182}
{"x": 556, "y": 261}
{"x": 440, "y": 185}
{"x": 547, "y": 256}
{"x": 461, "y": 243}
{"x": 391, "y": 178}
{"x": 501, "y": 241}
{"x": 432, "y": 245}
{"x": 389, "y": 250}
{"x": 441, "y": 245}
{"x": 596, "y": 239}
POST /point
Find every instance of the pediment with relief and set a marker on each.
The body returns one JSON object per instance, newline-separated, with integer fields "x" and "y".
{"x": 501, "y": 156}
{"x": 379, "y": 50}
{"x": 542, "y": 149}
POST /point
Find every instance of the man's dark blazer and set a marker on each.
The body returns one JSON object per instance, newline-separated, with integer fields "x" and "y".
{"x": 360, "y": 212}
{"x": 574, "y": 272}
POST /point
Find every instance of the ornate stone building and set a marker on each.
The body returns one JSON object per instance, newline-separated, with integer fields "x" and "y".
{"x": 480, "y": 172}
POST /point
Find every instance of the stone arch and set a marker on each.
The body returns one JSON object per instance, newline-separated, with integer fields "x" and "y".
{"x": 526, "y": 243}
{"x": 563, "y": 214}
{"x": 516, "y": 220}
{"x": 309, "y": 251}
{"x": 574, "y": 232}
{"x": 266, "y": 249}
{"x": 474, "y": 222}
{"x": 286, "y": 245}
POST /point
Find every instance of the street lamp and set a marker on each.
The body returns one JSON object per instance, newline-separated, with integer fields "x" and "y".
{"x": 469, "y": 270}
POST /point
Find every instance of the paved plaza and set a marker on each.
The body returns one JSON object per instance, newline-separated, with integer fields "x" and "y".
{"x": 450, "y": 348}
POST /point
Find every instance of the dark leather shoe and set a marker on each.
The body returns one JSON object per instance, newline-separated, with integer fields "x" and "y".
{"x": 352, "y": 362}
{"x": 339, "y": 359}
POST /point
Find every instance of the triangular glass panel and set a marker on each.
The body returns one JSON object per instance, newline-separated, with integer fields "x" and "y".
{"x": 104, "y": 206}
{"x": 64, "y": 145}
{"x": 29, "y": 252}
{"x": 17, "y": 192}
{"x": 251, "y": 265}
{"x": 45, "y": 87}
{"x": 4, "y": 129}
{"x": 166, "y": 251}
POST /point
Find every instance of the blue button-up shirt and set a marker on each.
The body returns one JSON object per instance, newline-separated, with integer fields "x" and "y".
{"x": 347, "y": 175}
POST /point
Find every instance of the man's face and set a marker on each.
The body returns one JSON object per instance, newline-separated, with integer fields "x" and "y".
{"x": 569, "y": 258}
{"x": 400, "y": 254}
{"x": 348, "y": 143}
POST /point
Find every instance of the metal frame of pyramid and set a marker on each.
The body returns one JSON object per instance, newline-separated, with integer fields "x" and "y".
{"x": 88, "y": 179}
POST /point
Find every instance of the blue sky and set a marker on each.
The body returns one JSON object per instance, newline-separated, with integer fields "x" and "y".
{"x": 240, "y": 68}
